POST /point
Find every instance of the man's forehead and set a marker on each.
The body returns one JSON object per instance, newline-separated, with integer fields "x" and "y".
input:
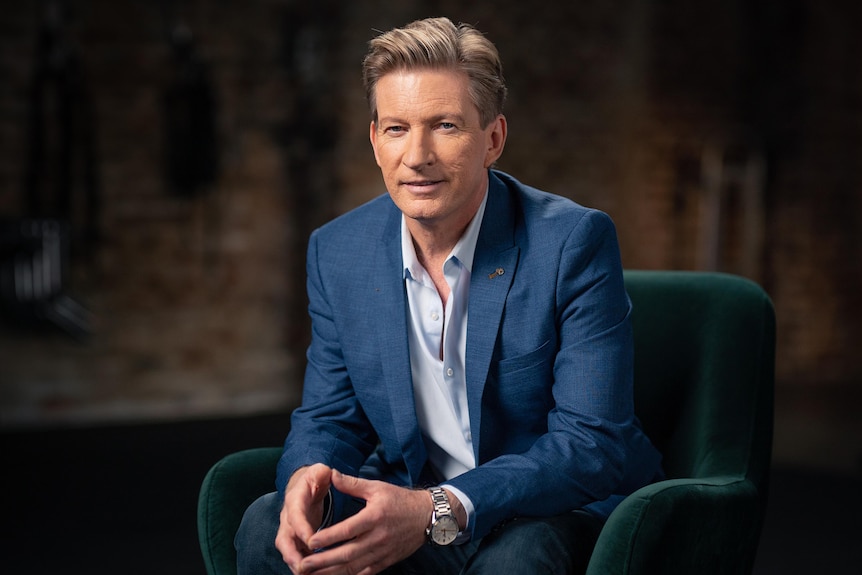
{"x": 428, "y": 89}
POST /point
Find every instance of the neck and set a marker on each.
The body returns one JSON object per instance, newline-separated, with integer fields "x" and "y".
{"x": 432, "y": 249}
{"x": 435, "y": 239}
{"x": 432, "y": 244}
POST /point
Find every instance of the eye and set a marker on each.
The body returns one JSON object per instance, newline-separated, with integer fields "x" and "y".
{"x": 447, "y": 125}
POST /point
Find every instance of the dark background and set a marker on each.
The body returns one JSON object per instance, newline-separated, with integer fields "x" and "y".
{"x": 179, "y": 153}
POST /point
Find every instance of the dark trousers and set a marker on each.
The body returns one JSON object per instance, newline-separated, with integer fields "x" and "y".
{"x": 559, "y": 545}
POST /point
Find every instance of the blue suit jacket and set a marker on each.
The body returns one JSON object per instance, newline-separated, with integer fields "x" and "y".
{"x": 548, "y": 359}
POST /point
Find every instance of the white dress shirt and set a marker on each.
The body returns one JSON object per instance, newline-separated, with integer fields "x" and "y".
{"x": 438, "y": 343}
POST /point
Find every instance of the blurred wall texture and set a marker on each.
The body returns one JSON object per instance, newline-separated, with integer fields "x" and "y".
{"x": 190, "y": 147}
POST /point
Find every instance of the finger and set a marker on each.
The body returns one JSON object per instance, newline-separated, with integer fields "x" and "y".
{"x": 359, "y": 557}
{"x": 292, "y": 550}
{"x": 319, "y": 474}
{"x": 351, "y": 485}
{"x": 349, "y": 557}
{"x": 317, "y": 480}
{"x": 313, "y": 479}
{"x": 357, "y": 526}
{"x": 336, "y": 534}
{"x": 299, "y": 515}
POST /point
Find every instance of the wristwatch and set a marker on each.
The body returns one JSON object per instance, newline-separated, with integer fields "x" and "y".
{"x": 444, "y": 527}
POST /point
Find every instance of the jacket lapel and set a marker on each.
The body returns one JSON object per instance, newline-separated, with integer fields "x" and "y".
{"x": 390, "y": 306}
{"x": 494, "y": 266}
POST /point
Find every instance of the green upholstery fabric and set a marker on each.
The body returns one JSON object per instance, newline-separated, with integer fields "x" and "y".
{"x": 704, "y": 374}
{"x": 230, "y": 486}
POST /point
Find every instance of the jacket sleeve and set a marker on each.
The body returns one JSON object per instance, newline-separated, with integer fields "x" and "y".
{"x": 330, "y": 427}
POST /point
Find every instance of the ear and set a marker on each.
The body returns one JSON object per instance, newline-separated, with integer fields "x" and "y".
{"x": 372, "y": 135}
{"x": 495, "y": 135}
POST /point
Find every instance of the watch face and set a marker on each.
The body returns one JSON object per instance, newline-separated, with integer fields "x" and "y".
{"x": 445, "y": 530}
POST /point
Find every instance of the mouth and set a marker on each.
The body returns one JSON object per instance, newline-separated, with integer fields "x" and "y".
{"x": 420, "y": 182}
{"x": 421, "y": 185}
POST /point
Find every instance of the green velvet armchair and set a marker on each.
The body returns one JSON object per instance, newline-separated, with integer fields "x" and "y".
{"x": 704, "y": 374}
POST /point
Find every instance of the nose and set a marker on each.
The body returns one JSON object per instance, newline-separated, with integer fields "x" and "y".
{"x": 419, "y": 151}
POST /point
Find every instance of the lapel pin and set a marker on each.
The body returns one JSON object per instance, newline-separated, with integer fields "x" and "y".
{"x": 495, "y": 273}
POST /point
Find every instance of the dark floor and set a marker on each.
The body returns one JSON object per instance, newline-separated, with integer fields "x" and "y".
{"x": 122, "y": 499}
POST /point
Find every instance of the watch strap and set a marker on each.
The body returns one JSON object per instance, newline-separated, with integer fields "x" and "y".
{"x": 441, "y": 502}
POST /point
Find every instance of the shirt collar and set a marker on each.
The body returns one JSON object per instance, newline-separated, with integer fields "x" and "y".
{"x": 463, "y": 251}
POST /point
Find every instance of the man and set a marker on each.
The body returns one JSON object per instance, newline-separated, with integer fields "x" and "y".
{"x": 468, "y": 396}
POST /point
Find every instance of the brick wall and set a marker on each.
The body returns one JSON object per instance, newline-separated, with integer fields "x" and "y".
{"x": 199, "y": 299}
{"x": 191, "y": 293}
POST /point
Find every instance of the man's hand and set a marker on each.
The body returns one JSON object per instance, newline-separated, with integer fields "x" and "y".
{"x": 302, "y": 513}
{"x": 390, "y": 528}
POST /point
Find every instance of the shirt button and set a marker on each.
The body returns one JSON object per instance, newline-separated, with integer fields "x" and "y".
{"x": 435, "y": 316}
{"x": 449, "y": 372}
{"x": 468, "y": 436}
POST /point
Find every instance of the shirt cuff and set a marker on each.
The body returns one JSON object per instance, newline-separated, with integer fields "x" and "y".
{"x": 465, "y": 535}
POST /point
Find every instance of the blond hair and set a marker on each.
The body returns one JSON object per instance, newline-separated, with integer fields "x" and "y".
{"x": 437, "y": 43}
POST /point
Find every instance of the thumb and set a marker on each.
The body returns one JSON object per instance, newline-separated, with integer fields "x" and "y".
{"x": 349, "y": 484}
{"x": 318, "y": 479}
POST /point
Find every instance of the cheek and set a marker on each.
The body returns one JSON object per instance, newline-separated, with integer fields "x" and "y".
{"x": 457, "y": 156}
{"x": 386, "y": 154}
{"x": 470, "y": 155}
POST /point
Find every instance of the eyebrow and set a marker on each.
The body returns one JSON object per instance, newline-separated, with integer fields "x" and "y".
{"x": 455, "y": 118}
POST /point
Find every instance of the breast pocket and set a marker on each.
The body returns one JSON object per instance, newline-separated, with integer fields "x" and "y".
{"x": 520, "y": 387}
{"x": 538, "y": 356}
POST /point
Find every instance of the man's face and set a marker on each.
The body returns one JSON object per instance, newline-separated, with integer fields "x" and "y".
{"x": 431, "y": 147}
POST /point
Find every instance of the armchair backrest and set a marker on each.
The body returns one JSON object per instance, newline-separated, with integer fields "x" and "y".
{"x": 704, "y": 371}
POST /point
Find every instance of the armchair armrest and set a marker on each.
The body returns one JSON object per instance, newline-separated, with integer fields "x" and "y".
{"x": 704, "y": 525}
{"x": 230, "y": 486}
